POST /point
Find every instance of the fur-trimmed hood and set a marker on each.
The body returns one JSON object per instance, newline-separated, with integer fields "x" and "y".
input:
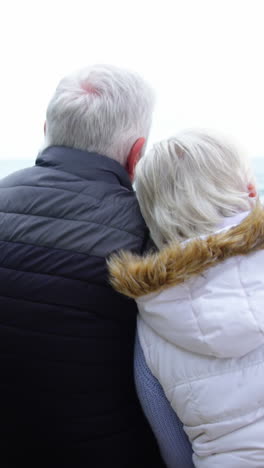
{"x": 205, "y": 295}
{"x": 136, "y": 276}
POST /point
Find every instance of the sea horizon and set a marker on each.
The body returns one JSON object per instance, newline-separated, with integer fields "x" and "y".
{"x": 12, "y": 165}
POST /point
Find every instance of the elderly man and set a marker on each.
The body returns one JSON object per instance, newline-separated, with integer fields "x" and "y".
{"x": 67, "y": 393}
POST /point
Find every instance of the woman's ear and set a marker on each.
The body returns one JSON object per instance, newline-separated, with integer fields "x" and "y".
{"x": 252, "y": 192}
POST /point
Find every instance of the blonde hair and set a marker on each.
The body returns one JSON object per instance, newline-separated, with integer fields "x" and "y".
{"x": 187, "y": 184}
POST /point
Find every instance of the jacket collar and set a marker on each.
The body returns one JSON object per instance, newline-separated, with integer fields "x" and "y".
{"x": 231, "y": 221}
{"x": 176, "y": 263}
{"x": 90, "y": 166}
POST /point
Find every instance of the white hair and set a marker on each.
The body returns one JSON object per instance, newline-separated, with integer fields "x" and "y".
{"x": 100, "y": 109}
{"x": 187, "y": 184}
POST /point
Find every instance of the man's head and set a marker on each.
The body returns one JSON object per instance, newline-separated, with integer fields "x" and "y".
{"x": 101, "y": 109}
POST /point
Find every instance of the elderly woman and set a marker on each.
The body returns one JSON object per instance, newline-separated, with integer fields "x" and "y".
{"x": 201, "y": 297}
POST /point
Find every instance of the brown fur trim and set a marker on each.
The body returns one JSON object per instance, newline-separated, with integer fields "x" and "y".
{"x": 135, "y": 276}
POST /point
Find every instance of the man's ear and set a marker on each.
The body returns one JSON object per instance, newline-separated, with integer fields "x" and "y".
{"x": 45, "y": 127}
{"x": 134, "y": 156}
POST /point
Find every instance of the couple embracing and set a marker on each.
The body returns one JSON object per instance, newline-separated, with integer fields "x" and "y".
{"x": 91, "y": 271}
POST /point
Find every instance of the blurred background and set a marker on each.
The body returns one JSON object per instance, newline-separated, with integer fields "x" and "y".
{"x": 204, "y": 58}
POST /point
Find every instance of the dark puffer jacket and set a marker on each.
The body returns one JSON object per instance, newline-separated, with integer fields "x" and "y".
{"x": 67, "y": 396}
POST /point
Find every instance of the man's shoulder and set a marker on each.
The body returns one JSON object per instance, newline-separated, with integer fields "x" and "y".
{"x": 120, "y": 211}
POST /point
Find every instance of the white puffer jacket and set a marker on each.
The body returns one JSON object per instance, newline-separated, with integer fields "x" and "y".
{"x": 201, "y": 327}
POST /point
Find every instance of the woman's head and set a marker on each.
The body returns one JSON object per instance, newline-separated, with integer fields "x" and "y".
{"x": 187, "y": 184}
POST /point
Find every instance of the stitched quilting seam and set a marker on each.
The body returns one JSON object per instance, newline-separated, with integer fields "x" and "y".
{"x": 71, "y": 220}
{"x": 247, "y": 296}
